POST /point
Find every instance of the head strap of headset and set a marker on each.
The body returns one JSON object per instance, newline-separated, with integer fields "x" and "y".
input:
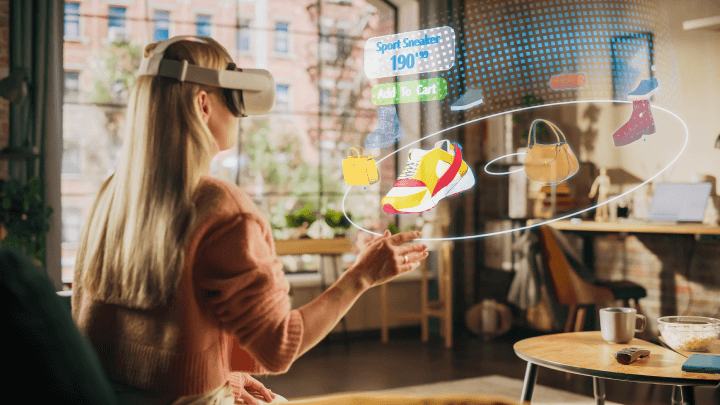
{"x": 231, "y": 78}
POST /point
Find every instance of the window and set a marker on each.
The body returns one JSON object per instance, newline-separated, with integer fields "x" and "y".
{"x": 162, "y": 25}
{"x": 283, "y": 160}
{"x": 203, "y": 25}
{"x": 116, "y": 23}
{"x": 282, "y": 97}
{"x": 243, "y": 36}
{"x": 72, "y": 20}
{"x": 71, "y": 225}
{"x": 72, "y": 87}
{"x": 71, "y": 158}
{"x": 325, "y": 98}
{"x": 282, "y": 37}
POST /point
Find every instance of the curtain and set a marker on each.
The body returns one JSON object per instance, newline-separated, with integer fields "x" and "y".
{"x": 36, "y": 46}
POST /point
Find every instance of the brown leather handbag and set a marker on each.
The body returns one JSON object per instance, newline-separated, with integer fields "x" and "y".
{"x": 549, "y": 163}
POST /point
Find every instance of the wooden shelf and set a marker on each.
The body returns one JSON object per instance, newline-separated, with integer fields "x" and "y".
{"x": 709, "y": 23}
{"x": 335, "y": 246}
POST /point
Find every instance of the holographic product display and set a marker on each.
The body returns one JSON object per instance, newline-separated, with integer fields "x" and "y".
{"x": 428, "y": 177}
{"x": 549, "y": 163}
{"x": 565, "y": 81}
{"x": 408, "y": 53}
{"x": 388, "y": 131}
{"x": 470, "y": 99}
{"x": 359, "y": 170}
{"x": 644, "y": 90}
{"x": 573, "y": 55}
{"x": 641, "y": 123}
{"x": 413, "y": 91}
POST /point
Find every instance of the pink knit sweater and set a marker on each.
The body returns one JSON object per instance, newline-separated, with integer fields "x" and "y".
{"x": 232, "y": 285}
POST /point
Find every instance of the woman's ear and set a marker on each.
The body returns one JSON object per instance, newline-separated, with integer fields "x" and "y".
{"x": 202, "y": 99}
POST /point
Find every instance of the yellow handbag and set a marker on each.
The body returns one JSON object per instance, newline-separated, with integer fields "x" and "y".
{"x": 359, "y": 170}
{"x": 549, "y": 163}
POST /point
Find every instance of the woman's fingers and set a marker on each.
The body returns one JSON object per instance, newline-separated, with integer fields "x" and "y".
{"x": 403, "y": 237}
{"x": 411, "y": 248}
{"x": 248, "y": 398}
{"x": 256, "y": 386}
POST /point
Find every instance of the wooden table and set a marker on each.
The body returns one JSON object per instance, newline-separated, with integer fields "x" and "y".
{"x": 586, "y": 353}
{"x": 635, "y": 227}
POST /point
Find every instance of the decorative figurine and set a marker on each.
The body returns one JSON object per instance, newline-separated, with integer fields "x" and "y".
{"x": 601, "y": 187}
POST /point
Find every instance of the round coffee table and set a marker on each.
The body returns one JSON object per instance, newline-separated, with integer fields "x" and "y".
{"x": 586, "y": 353}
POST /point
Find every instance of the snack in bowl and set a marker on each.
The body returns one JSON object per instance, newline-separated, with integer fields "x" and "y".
{"x": 689, "y": 333}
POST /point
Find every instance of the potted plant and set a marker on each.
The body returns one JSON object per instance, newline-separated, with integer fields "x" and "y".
{"x": 338, "y": 221}
{"x": 301, "y": 220}
{"x": 22, "y": 219}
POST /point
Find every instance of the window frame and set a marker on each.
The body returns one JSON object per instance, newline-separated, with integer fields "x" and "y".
{"x": 250, "y": 50}
{"x": 290, "y": 54}
{"x": 79, "y": 35}
{"x": 65, "y": 87}
{"x": 126, "y": 26}
{"x": 210, "y": 24}
{"x": 155, "y": 22}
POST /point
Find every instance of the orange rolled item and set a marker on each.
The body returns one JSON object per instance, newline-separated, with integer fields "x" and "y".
{"x": 567, "y": 81}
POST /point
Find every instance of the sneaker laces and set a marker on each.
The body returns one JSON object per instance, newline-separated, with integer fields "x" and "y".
{"x": 411, "y": 168}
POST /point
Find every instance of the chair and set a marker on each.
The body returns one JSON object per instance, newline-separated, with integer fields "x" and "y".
{"x": 572, "y": 290}
{"x": 440, "y": 308}
{"x": 42, "y": 342}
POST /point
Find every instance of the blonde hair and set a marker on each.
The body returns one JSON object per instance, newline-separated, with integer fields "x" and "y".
{"x": 131, "y": 249}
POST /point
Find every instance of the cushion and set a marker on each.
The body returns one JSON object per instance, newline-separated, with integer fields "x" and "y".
{"x": 44, "y": 349}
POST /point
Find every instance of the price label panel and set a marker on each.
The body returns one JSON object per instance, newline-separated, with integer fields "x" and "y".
{"x": 408, "y": 53}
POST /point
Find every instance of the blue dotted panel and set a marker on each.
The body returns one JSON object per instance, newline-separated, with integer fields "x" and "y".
{"x": 510, "y": 49}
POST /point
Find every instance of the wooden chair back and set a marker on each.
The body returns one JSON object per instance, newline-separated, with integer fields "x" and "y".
{"x": 569, "y": 288}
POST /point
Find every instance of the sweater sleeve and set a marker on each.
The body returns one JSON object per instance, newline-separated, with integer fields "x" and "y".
{"x": 248, "y": 292}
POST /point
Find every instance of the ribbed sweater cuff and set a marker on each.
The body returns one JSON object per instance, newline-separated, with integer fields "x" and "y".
{"x": 276, "y": 356}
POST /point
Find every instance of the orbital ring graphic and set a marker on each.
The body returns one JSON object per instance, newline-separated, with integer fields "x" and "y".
{"x": 503, "y": 157}
{"x": 687, "y": 137}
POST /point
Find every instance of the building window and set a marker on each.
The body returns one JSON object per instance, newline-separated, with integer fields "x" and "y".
{"x": 72, "y": 87}
{"x": 203, "y": 25}
{"x": 325, "y": 97}
{"x": 162, "y": 25}
{"x": 282, "y": 97}
{"x": 72, "y": 20}
{"x": 71, "y": 159}
{"x": 71, "y": 225}
{"x": 243, "y": 39}
{"x": 282, "y": 37}
{"x": 116, "y": 23}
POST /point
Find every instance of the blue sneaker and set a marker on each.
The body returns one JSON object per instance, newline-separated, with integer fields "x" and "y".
{"x": 470, "y": 99}
{"x": 645, "y": 90}
{"x": 388, "y": 131}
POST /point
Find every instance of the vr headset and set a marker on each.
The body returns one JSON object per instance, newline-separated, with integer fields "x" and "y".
{"x": 245, "y": 91}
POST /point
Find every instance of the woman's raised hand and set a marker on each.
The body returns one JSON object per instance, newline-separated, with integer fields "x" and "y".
{"x": 389, "y": 256}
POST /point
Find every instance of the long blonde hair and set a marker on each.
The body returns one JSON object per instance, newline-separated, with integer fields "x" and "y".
{"x": 131, "y": 250}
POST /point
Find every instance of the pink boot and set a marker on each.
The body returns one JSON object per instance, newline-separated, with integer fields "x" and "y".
{"x": 641, "y": 123}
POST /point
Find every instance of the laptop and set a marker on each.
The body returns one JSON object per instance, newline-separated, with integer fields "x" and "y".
{"x": 679, "y": 202}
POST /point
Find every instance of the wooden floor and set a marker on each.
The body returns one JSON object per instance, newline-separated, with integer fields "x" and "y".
{"x": 367, "y": 364}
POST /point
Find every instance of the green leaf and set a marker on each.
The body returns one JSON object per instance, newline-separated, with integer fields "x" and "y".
{"x": 6, "y": 203}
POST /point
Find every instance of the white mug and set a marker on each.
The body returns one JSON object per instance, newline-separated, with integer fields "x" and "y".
{"x": 619, "y": 325}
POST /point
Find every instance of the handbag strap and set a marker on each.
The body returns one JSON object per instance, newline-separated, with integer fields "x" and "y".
{"x": 558, "y": 134}
{"x": 357, "y": 151}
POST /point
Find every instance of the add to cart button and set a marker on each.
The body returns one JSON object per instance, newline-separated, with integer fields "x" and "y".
{"x": 413, "y": 91}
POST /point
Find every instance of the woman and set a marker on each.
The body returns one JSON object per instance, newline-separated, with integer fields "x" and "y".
{"x": 172, "y": 264}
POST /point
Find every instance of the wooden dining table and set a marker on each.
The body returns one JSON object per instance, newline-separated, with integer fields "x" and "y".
{"x": 586, "y": 353}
